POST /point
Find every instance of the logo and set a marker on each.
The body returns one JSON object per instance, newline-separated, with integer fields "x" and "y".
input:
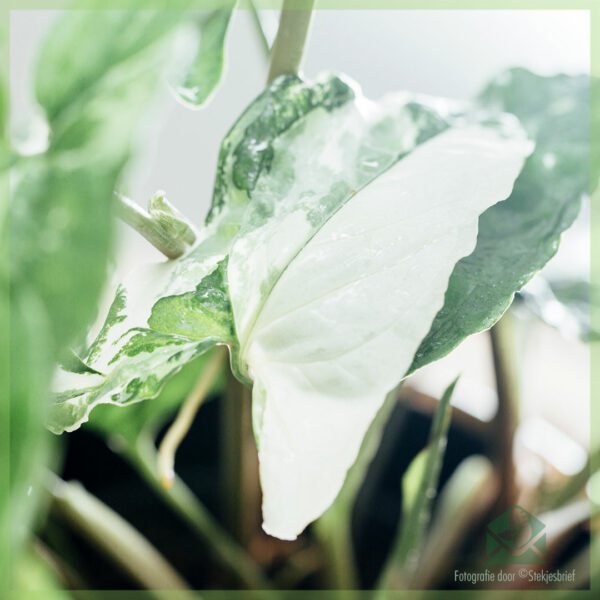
{"x": 516, "y": 537}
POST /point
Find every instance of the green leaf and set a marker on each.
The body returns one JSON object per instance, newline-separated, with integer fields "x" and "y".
{"x": 419, "y": 487}
{"x": 517, "y": 237}
{"x": 93, "y": 83}
{"x": 60, "y": 235}
{"x": 205, "y": 312}
{"x": 107, "y": 64}
{"x": 203, "y": 74}
{"x": 30, "y": 368}
{"x": 469, "y": 493}
{"x": 357, "y": 215}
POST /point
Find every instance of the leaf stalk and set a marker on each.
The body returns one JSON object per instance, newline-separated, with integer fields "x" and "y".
{"x": 288, "y": 47}
{"x": 182, "y": 423}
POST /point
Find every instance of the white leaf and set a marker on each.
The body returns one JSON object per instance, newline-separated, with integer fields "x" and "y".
{"x": 344, "y": 311}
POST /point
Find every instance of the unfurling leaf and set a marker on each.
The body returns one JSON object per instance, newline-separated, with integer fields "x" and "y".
{"x": 173, "y": 222}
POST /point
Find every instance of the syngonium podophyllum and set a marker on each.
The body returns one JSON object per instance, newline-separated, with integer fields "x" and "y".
{"x": 328, "y": 265}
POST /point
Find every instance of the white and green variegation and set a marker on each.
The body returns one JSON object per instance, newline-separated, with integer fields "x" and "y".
{"x": 329, "y": 314}
{"x": 136, "y": 351}
{"x": 335, "y": 227}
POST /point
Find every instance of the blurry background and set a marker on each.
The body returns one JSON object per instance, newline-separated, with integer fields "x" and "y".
{"x": 447, "y": 53}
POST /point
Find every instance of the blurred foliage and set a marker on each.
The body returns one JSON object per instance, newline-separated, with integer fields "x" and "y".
{"x": 4, "y": 313}
{"x": 32, "y": 573}
{"x": 563, "y": 304}
{"x": 96, "y": 73}
{"x": 419, "y": 485}
{"x": 334, "y": 527}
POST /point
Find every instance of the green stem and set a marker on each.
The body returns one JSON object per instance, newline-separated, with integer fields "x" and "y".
{"x": 113, "y": 535}
{"x": 181, "y": 499}
{"x": 137, "y": 218}
{"x": 288, "y": 47}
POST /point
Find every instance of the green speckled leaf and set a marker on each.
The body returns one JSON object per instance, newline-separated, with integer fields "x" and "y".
{"x": 205, "y": 312}
{"x": 518, "y": 236}
{"x": 203, "y": 73}
{"x": 153, "y": 327}
{"x": 247, "y": 150}
{"x": 129, "y": 421}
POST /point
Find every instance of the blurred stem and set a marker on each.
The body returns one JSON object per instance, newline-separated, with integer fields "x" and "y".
{"x": 572, "y": 486}
{"x": 288, "y": 47}
{"x": 182, "y": 500}
{"x": 504, "y": 423}
{"x": 182, "y": 423}
{"x": 137, "y": 218}
{"x": 113, "y": 535}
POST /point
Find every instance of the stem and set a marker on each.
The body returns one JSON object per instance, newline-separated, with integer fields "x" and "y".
{"x": 288, "y": 47}
{"x": 239, "y": 463}
{"x": 505, "y": 421}
{"x": 181, "y": 499}
{"x": 113, "y": 535}
{"x": 145, "y": 225}
{"x": 179, "y": 428}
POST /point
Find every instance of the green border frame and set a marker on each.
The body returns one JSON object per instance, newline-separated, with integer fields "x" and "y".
{"x": 593, "y": 6}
